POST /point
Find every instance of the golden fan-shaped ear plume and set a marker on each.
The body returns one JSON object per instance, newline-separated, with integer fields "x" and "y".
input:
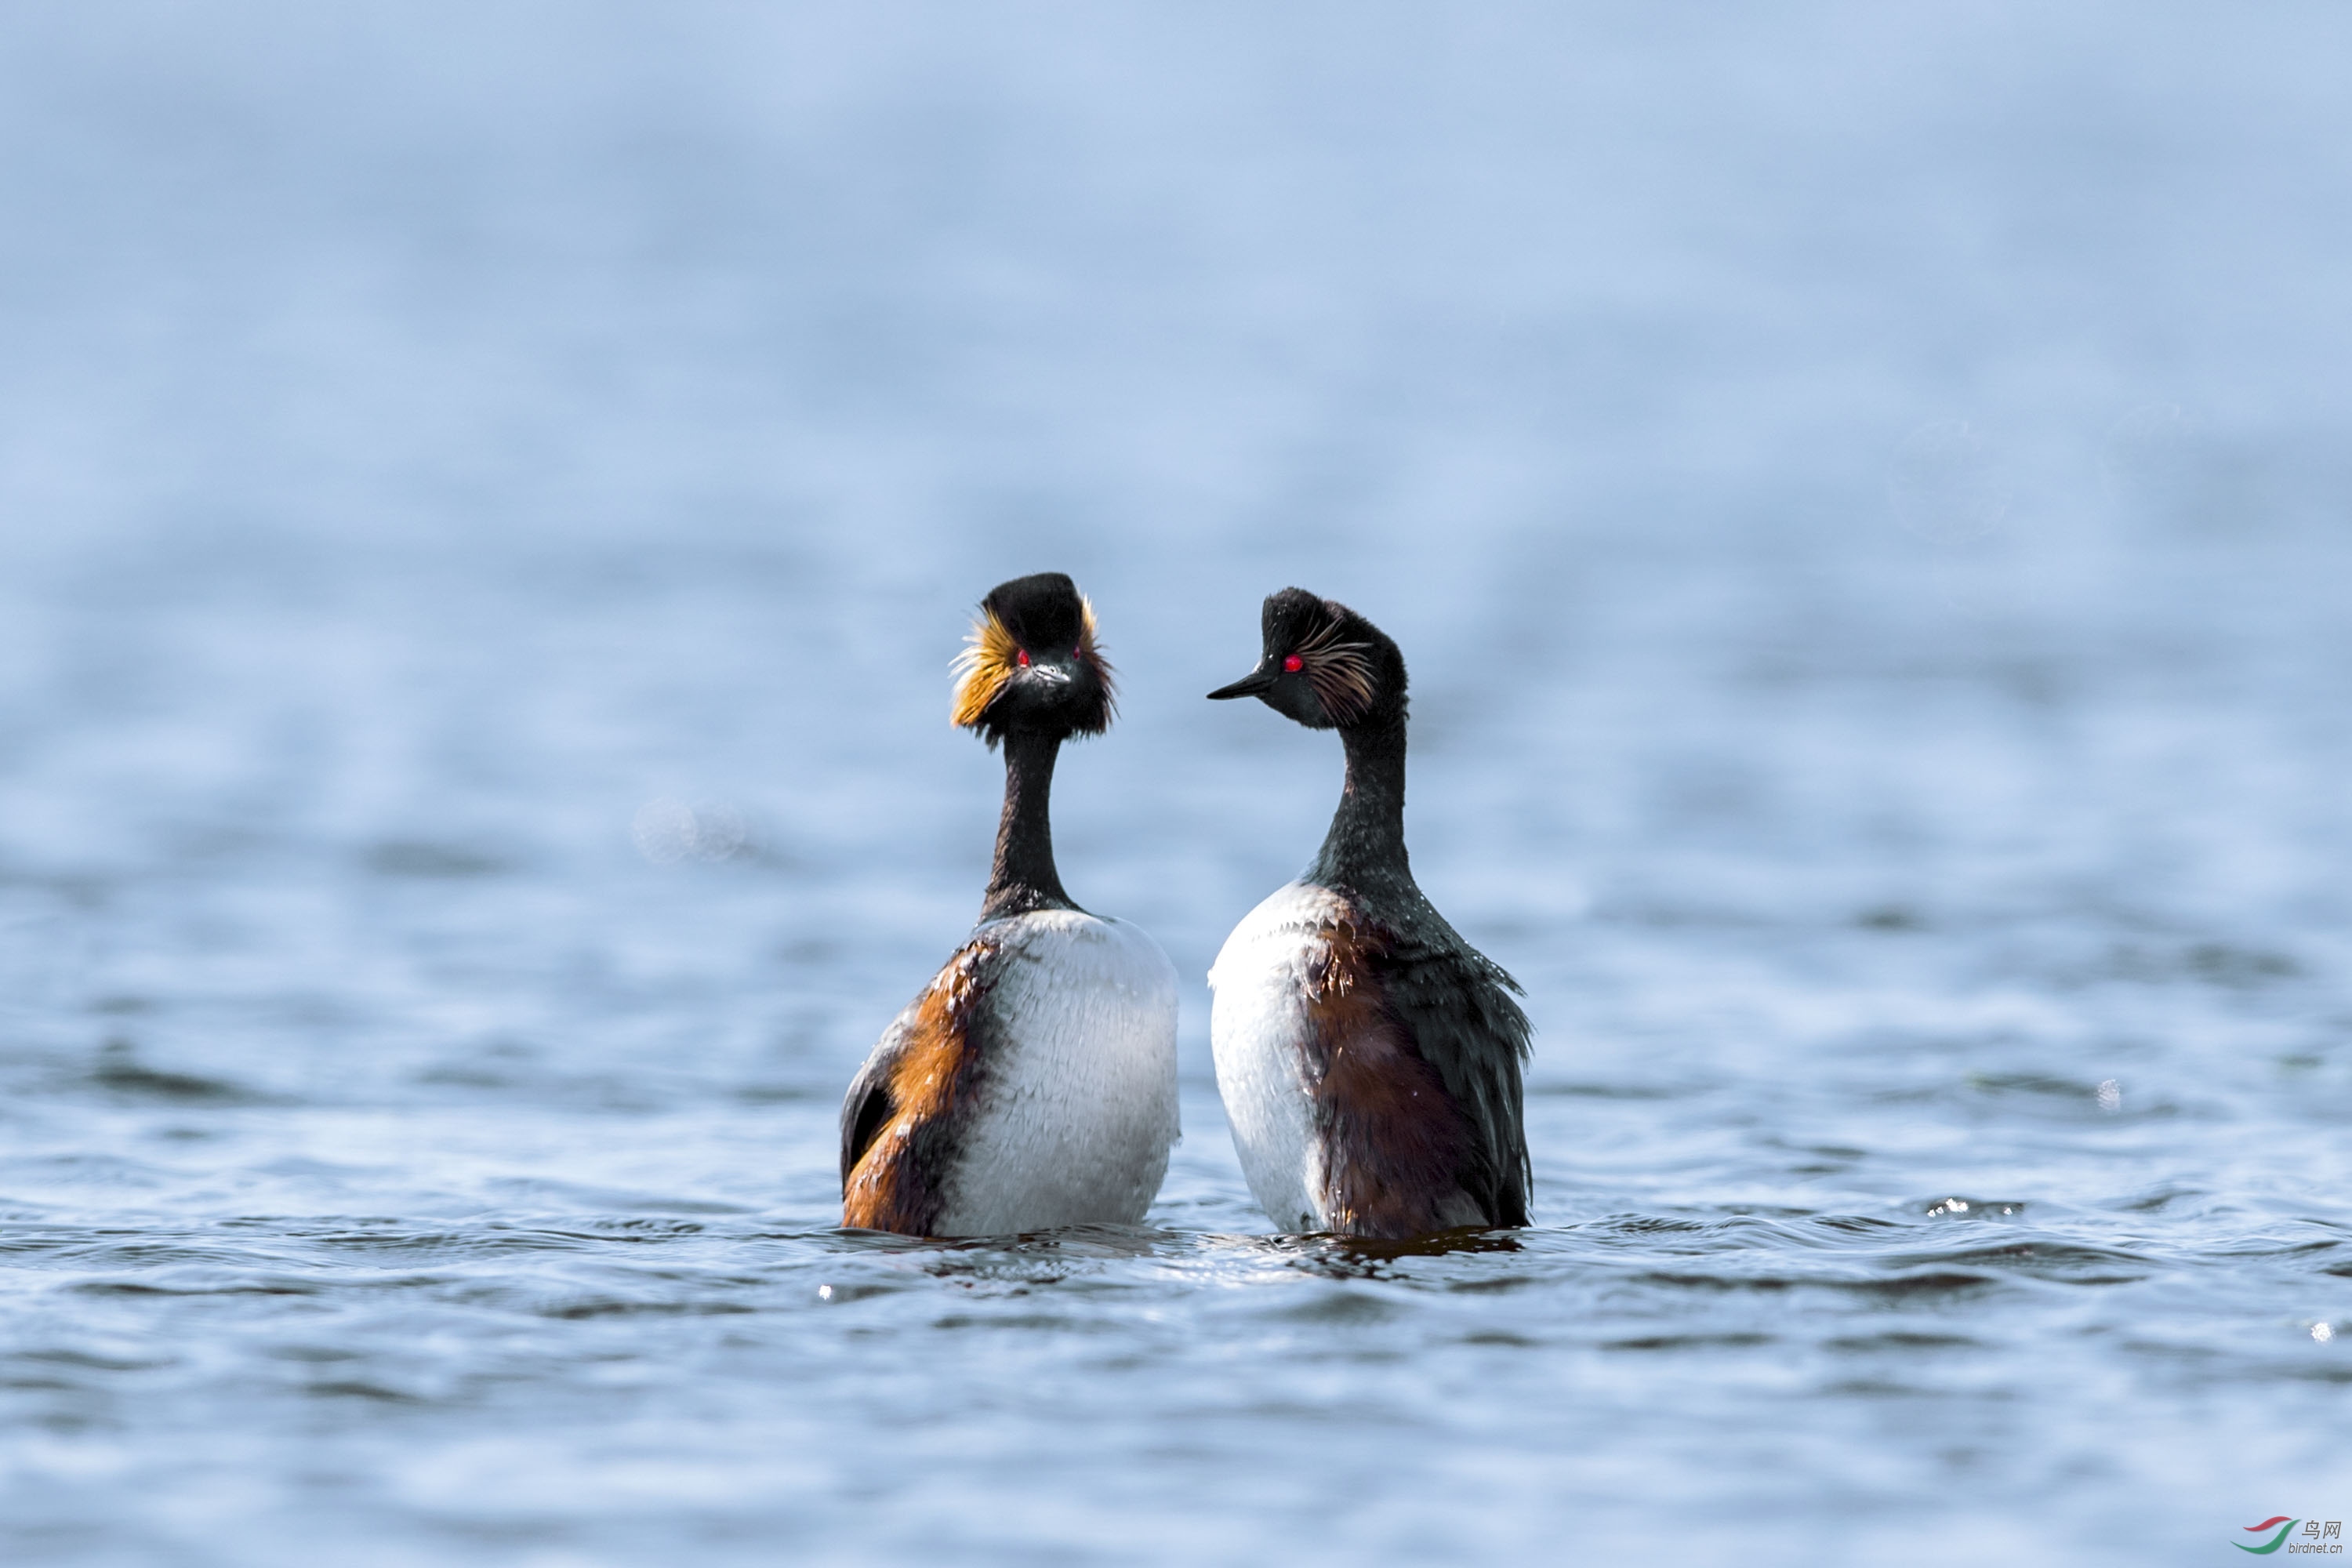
{"x": 1091, "y": 651}
{"x": 981, "y": 668}
{"x": 1341, "y": 672}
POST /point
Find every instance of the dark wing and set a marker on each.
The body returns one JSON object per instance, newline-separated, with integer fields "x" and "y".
{"x": 1457, "y": 1004}
{"x": 869, "y": 1104}
{"x": 901, "y": 1118}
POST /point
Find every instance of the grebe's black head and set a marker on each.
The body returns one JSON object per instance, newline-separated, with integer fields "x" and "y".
{"x": 1032, "y": 665}
{"x": 1324, "y": 664}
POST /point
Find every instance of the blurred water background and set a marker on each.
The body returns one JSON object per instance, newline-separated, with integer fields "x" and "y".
{"x": 487, "y": 496}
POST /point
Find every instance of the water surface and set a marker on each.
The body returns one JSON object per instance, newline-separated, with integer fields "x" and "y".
{"x": 484, "y": 510}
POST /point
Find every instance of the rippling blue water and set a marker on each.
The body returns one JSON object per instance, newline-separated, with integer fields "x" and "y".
{"x": 485, "y": 510}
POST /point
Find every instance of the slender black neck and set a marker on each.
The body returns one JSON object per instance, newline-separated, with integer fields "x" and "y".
{"x": 1023, "y": 877}
{"x": 1365, "y": 848}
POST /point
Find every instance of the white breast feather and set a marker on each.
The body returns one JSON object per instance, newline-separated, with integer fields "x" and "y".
{"x": 1079, "y": 1108}
{"x": 1258, "y": 1026}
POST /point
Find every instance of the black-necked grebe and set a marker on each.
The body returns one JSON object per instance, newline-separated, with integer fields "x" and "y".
{"x": 1368, "y": 1056}
{"x": 1032, "y": 1084}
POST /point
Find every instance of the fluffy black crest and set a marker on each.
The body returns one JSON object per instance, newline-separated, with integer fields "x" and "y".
{"x": 1348, "y": 672}
{"x": 1045, "y": 608}
{"x": 1033, "y": 663}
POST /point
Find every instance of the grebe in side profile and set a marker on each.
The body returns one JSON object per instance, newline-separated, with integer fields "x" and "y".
{"x": 1368, "y": 1056}
{"x": 1032, "y": 1084}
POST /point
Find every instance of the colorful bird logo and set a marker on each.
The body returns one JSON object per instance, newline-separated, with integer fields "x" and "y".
{"x": 2280, "y": 1520}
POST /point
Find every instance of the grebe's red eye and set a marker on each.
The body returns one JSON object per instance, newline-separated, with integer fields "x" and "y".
{"x": 1077, "y": 652}
{"x": 1294, "y": 664}
{"x": 1023, "y": 656}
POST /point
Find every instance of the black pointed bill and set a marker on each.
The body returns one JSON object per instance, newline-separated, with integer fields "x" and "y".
{"x": 1254, "y": 683}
